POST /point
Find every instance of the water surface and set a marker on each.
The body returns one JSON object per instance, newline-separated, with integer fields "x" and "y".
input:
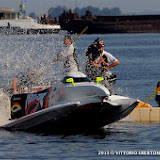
{"x": 138, "y": 74}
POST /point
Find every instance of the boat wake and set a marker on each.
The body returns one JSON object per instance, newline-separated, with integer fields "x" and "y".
{"x": 4, "y": 108}
{"x": 22, "y": 52}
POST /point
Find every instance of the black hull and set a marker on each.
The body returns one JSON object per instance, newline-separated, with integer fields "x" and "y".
{"x": 112, "y": 24}
{"x": 72, "y": 117}
{"x": 108, "y": 29}
{"x": 92, "y": 118}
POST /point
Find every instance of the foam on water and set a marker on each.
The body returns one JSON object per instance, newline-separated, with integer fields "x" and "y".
{"x": 4, "y": 108}
{"x": 21, "y": 52}
{"x": 17, "y": 53}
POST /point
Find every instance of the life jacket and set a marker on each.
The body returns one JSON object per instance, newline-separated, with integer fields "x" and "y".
{"x": 68, "y": 63}
{"x": 92, "y": 52}
{"x": 75, "y": 58}
{"x": 158, "y": 90}
{"x": 105, "y": 58}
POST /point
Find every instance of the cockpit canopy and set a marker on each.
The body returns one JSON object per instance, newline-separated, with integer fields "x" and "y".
{"x": 77, "y": 77}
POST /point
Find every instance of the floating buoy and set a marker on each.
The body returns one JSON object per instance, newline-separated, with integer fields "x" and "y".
{"x": 141, "y": 104}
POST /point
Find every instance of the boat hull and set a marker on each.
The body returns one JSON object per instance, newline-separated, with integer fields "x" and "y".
{"x": 111, "y": 24}
{"x": 67, "y": 107}
{"x": 73, "y": 117}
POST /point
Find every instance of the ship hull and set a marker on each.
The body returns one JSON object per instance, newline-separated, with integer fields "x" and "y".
{"x": 114, "y": 24}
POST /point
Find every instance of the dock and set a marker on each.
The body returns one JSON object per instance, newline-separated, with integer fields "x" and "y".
{"x": 148, "y": 115}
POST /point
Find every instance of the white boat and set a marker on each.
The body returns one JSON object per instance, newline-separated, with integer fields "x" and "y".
{"x": 74, "y": 103}
{"x": 12, "y": 22}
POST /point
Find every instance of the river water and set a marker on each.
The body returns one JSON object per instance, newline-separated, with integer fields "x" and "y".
{"x": 138, "y": 74}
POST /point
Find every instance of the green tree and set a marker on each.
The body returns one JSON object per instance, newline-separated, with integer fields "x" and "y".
{"x": 56, "y": 12}
{"x": 32, "y": 15}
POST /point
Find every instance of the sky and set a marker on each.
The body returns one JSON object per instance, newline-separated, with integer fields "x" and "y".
{"x": 126, "y": 6}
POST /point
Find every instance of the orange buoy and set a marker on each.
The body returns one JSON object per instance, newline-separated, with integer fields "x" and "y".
{"x": 141, "y": 104}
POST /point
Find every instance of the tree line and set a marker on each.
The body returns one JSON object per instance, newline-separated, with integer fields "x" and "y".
{"x": 56, "y": 12}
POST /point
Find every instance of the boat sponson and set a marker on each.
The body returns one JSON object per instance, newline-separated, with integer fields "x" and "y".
{"x": 53, "y": 114}
{"x": 92, "y": 116}
{"x": 74, "y": 116}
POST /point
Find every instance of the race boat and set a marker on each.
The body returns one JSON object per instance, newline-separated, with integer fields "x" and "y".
{"x": 74, "y": 103}
{"x": 12, "y": 22}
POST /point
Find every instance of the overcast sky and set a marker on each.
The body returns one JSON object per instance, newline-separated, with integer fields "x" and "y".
{"x": 126, "y": 6}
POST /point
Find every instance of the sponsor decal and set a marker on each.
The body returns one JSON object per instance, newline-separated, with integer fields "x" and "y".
{"x": 17, "y": 98}
{"x": 91, "y": 93}
{"x": 16, "y": 107}
{"x": 38, "y": 101}
{"x": 32, "y": 107}
{"x": 61, "y": 91}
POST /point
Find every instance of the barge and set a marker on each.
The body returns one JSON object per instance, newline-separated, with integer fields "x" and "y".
{"x": 98, "y": 24}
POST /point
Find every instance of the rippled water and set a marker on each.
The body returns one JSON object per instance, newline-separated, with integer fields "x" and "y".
{"x": 138, "y": 74}
{"x": 119, "y": 137}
